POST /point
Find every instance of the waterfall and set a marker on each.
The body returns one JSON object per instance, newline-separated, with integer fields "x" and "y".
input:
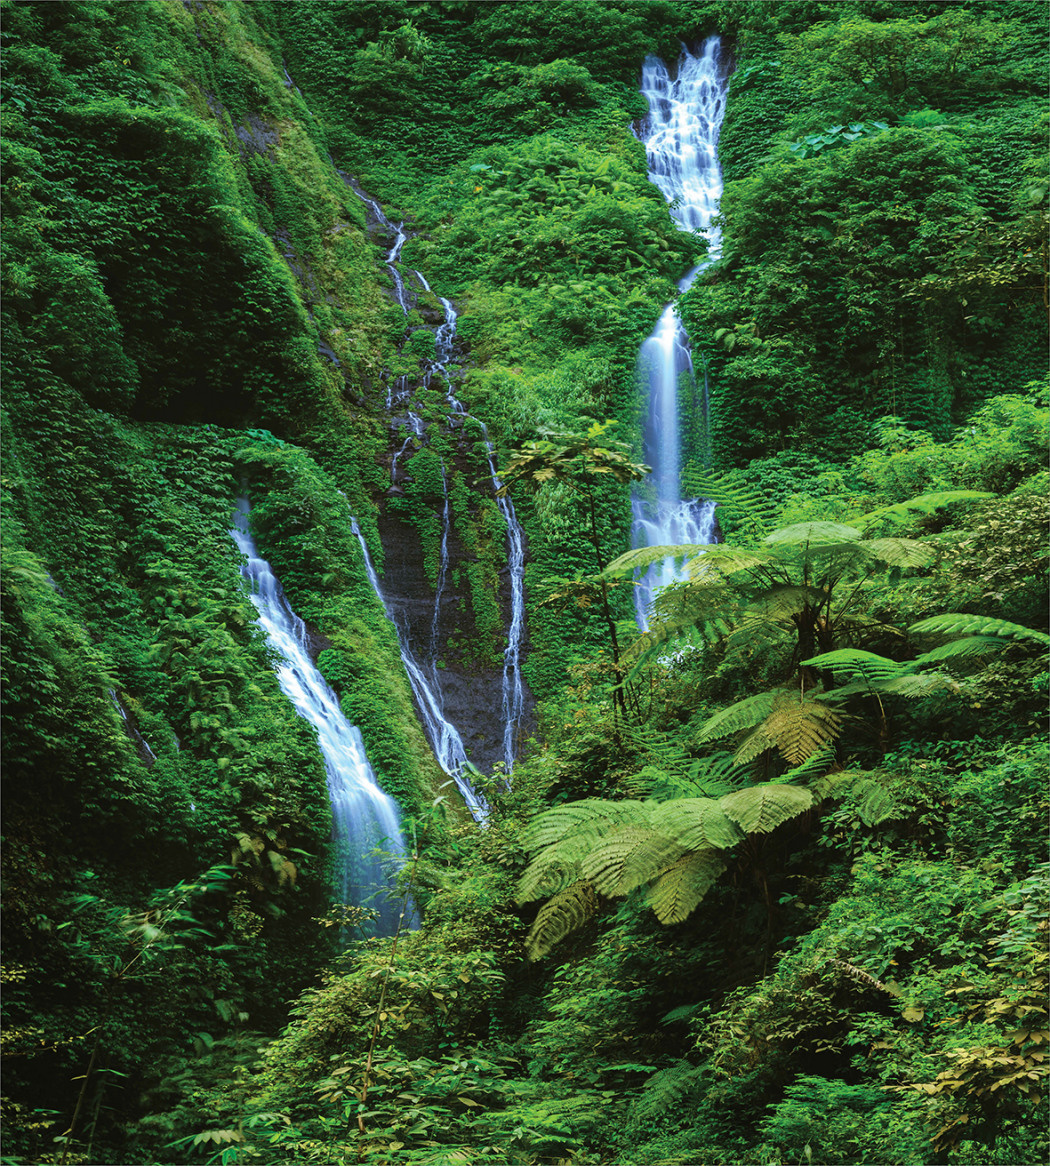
{"x": 442, "y": 734}
{"x": 680, "y": 136}
{"x": 444, "y": 738}
{"x": 364, "y": 818}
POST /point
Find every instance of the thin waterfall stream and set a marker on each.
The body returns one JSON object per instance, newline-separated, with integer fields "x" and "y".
{"x": 680, "y": 135}
{"x": 365, "y": 822}
{"x": 422, "y": 667}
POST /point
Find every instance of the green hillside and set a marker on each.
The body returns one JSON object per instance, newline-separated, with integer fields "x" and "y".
{"x": 768, "y": 883}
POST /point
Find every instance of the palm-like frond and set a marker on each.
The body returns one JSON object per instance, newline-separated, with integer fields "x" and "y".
{"x": 565, "y": 913}
{"x": 815, "y": 533}
{"x": 855, "y": 662}
{"x": 556, "y": 866}
{"x": 641, "y": 558}
{"x": 676, "y": 893}
{"x": 955, "y": 623}
{"x": 629, "y": 858}
{"x": 796, "y": 728}
{"x": 738, "y": 501}
{"x": 762, "y": 808}
{"x": 593, "y": 816}
{"x": 960, "y": 649}
{"x": 697, "y": 823}
{"x": 901, "y": 552}
{"x": 743, "y": 714}
{"x": 902, "y": 512}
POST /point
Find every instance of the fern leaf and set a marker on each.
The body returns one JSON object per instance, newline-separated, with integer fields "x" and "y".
{"x": 676, "y": 893}
{"x": 957, "y": 649}
{"x": 565, "y": 913}
{"x": 874, "y": 802}
{"x": 641, "y": 558}
{"x": 815, "y": 766}
{"x": 955, "y": 623}
{"x": 833, "y": 786}
{"x": 814, "y": 533}
{"x": 554, "y": 867}
{"x": 762, "y": 808}
{"x": 697, "y": 823}
{"x": 743, "y": 714}
{"x": 596, "y": 816}
{"x": 629, "y": 858}
{"x": 669, "y": 1087}
{"x": 901, "y": 552}
{"x": 854, "y": 662}
{"x": 925, "y": 504}
{"x": 738, "y": 501}
{"x": 923, "y": 684}
{"x": 797, "y": 728}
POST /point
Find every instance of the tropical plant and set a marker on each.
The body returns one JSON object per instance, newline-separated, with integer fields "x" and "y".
{"x": 583, "y": 462}
{"x": 594, "y": 849}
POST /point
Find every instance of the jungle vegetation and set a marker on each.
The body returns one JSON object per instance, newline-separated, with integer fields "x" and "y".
{"x": 769, "y": 882}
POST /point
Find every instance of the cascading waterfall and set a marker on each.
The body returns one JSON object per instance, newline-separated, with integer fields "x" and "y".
{"x": 364, "y": 819}
{"x": 444, "y": 738}
{"x": 680, "y": 137}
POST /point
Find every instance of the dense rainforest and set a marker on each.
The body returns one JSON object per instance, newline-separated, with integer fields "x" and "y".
{"x": 350, "y": 295}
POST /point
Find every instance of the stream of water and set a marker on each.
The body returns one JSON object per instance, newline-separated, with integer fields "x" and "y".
{"x": 365, "y": 820}
{"x": 423, "y": 675}
{"x": 680, "y": 137}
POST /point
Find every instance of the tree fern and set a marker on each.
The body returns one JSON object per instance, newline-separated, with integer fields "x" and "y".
{"x": 925, "y": 504}
{"x": 697, "y": 823}
{"x": 796, "y": 728}
{"x": 960, "y": 649}
{"x": 668, "y": 1088}
{"x": 568, "y": 911}
{"x": 738, "y": 501}
{"x": 854, "y": 662}
{"x": 762, "y": 808}
{"x": 901, "y": 552}
{"x": 743, "y": 714}
{"x": 629, "y": 858}
{"x": 677, "y": 892}
{"x": 960, "y": 624}
{"x": 594, "y": 816}
{"x": 815, "y": 533}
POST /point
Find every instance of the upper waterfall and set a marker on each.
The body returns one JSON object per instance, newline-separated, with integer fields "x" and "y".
{"x": 680, "y": 135}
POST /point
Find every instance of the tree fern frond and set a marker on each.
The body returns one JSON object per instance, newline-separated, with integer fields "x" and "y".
{"x": 797, "y": 728}
{"x": 874, "y": 802}
{"x": 814, "y": 766}
{"x": 641, "y": 558}
{"x": 902, "y": 512}
{"x": 855, "y": 662}
{"x": 954, "y": 623}
{"x": 738, "y": 501}
{"x": 743, "y": 714}
{"x": 676, "y": 893}
{"x": 901, "y": 552}
{"x": 717, "y": 774}
{"x": 595, "y": 816}
{"x": 669, "y": 1087}
{"x": 565, "y": 913}
{"x": 629, "y": 858}
{"x": 762, "y": 808}
{"x": 814, "y": 533}
{"x": 955, "y": 649}
{"x": 697, "y": 823}
{"x": 555, "y": 866}
{"x": 919, "y": 685}
{"x": 833, "y": 786}
{"x": 780, "y": 602}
